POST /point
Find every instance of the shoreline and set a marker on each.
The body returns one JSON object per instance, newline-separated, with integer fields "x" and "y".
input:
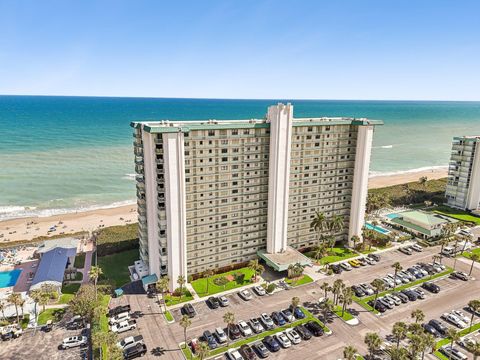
{"x": 29, "y": 228}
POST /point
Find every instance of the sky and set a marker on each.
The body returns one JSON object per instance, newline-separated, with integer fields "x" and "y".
{"x": 342, "y": 49}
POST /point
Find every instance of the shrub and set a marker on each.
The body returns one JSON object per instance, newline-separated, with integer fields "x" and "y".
{"x": 271, "y": 287}
{"x": 115, "y": 239}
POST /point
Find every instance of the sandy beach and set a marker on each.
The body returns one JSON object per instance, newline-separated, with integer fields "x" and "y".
{"x": 29, "y": 228}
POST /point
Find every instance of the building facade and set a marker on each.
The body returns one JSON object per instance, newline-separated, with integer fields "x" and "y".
{"x": 463, "y": 187}
{"x": 214, "y": 193}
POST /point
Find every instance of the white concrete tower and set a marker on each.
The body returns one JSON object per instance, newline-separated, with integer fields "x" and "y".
{"x": 175, "y": 205}
{"x": 360, "y": 180}
{"x": 281, "y": 121}
{"x": 473, "y": 197}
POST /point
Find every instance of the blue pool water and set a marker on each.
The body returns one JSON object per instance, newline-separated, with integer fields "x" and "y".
{"x": 393, "y": 216}
{"x": 9, "y": 278}
{"x": 377, "y": 228}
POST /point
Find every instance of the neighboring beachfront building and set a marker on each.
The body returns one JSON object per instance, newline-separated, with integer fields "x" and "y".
{"x": 422, "y": 224}
{"x": 213, "y": 194}
{"x": 463, "y": 187}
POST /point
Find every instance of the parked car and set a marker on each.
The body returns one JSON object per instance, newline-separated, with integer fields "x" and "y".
{"x": 416, "y": 247}
{"x": 405, "y": 250}
{"x": 362, "y": 261}
{"x": 396, "y": 280}
{"x": 256, "y": 326}
{"x": 412, "y": 295}
{"x": 245, "y": 295}
{"x": 287, "y": 315}
{"x": 188, "y": 310}
{"x": 420, "y": 269}
{"x": 213, "y": 302}
{"x": 223, "y": 301}
{"x": 135, "y": 351}
{"x": 367, "y": 289}
{"x": 415, "y": 272}
{"x": 354, "y": 263}
{"x": 73, "y": 341}
{"x": 304, "y": 333}
{"x": 113, "y": 320}
{"x": 293, "y": 336}
{"x": 358, "y": 291}
{"x": 210, "y": 339}
{"x": 378, "y": 306}
{"x": 298, "y": 312}
{"x": 118, "y": 310}
{"x": 460, "y": 275}
{"x": 466, "y": 342}
{"x": 408, "y": 275}
{"x": 247, "y": 352}
{"x": 244, "y": 328}
{"x": 124, "y": 326}
{"x": 442, "y": 329}
{"x": 283, "y": 340}
{"x": 375, "y": 257}
{"x": 420, "y": 293}
{"x": 394, "y": 298}
{"x": 345, "y": 266}
{"x": 130, "y": 341}
{"x": 461, "y": 315}
{"x": 220, "y": 335}
{"x": 271, "y": 343}
{"x": 454, "y": 320}
{"x": 11, "y": 332}
{"x": 267, "y": 321}
{"x": 384, "y": 301}
{"x": 430, "y": 329}
{"x": 234, "y": 355}
{"x": 403, "y": 298}
{"x": 278, "y": 319}
{"x": 234, "y": 331}
{"x": 337, "y": 269}
{"x": 48, "y": 326}
{"x": 370, "y": 260}
{"x": 471, "y": 310}
{"x": 261, "y": 350}
{"x": 433, "y": 288}
{"x": 77, "y": 322}
{"x": 453, "y": 353}
{"x": 260, "y": 290}
{"x": 314, "y": 328}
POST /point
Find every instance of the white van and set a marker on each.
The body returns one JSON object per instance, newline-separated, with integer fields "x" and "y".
{"x": 448, "y": 251}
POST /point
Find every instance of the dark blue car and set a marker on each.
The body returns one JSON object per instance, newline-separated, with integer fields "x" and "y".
{"x": 271, "y": 343}
{"x": 278, "y": 319}
{"x": 298, "y": 313}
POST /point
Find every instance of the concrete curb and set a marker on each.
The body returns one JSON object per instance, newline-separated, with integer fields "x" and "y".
{"x": 352, "y": 322}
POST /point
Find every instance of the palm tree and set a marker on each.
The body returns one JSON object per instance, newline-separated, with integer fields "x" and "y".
{"x": 319, "y": 252}
{"x": 437, "y": 257}
{"x": 415, "y": 345}
{"x": 355, "y": 239}
{"x": 429, "y": 342}
{"x": 185, "y": 322}
{"x": 453, "y": 335}
{"x": 373, "y": 342}
{"x": 203, "y": 350}
{"x": 473, "y": 257}
{"x": 418, "y": 315}
{"x": 295, "y": 302}
{"x": 347, "y": 298}
{"x": 181, "y": 281}
{"x": 94, "y": 274}
{"x": 21, "y": 303}
{"x": 379, "y": 286}
{"x": 336, "y": 289}
{"x": 398, "y": 353}
{"x": 423, "y": 181}
{"x": 474, "y": 307}
{"x": 36, "y": 295}
{"x": 399, "y": 331}
{"x": 475, "y": 350}
{"x": 209, "y": 273}
{"x": 2, "y": 309}
{"x": 350, "y": 352}
{"x": 325, "y": 287}
{"x": 15, "y": 299}
{"x": 326, "y": 308}
{"x": 256, "y": 267}
{"x": 162, "y": 286}
{"x": 290, "y": 271}
{"x": 397, "y": 267}
{"x": 229, "y": 319}
{"x": 318, "y": 224}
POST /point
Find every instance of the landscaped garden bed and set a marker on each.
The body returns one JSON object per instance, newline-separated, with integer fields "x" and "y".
{"x": 233, "y": 279}
{"x": 301, "y": 280}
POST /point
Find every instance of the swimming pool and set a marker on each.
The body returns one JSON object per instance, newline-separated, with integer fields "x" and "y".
{"x": 9, "y": 278}
{"x": 377, "y": 228}
{"x": 393, "y": 216}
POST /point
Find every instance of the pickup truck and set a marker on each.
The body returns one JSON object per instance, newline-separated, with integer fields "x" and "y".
{"x": 130, "y": 341}
{"x": 124, "y": 326}
{"x": 118, "y": 310}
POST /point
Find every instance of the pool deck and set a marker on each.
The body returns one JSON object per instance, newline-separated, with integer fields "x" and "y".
{"x": 29, "y": 269}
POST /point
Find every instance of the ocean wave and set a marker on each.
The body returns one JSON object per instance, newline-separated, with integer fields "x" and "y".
{"x": 410, "y": 171}
{"x": 383, "y": 147}
{"x": 129, "y": 177}
{"x": 15, "y": 212}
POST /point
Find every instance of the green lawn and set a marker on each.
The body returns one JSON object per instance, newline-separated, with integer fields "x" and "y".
{"x": 346, "y": 315}
{"x": 309, "y": 317}
{"x": 68, "y": 292}
{"x": 50, "y": 314}
{"x": 336, "y": 254}
{"x": 469, "y": 254}
{"x": 305, "y": 279}
{"x": 115, "y": 267}
{"x": 168, "y": 316}
{"x": 457, "y": 214}
{"x": 24, "y": 321}
{"x": 79, "y": 261}
{"x": 103, "y": 326}
{"x": 173, "y": 300}
{"x": 200, "y": 285}
{"x": 363, "y": 301}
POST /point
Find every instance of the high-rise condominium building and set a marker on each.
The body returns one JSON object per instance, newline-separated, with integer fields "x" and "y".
{"x": 212, "y": 194}
{"x": 463, "y": 188}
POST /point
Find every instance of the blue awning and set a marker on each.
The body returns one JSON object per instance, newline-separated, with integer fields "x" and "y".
{"x": 149, "y": 279}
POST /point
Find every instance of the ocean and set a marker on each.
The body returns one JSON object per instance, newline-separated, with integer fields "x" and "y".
{"x": 65, "y": 154}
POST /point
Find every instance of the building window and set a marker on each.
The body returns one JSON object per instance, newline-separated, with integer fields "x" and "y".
{"x": 211, "y": 132}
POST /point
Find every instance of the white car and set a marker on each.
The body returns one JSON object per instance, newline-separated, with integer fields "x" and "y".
{"x": 220, "y": 335}
{"x": 267, "y": 321}
{"x": 452, "y": 319}
{"x": 388, "y": 281}
{"x": 125, "y": 316}
{"x": 244, "y": 328}
{"x": 461, "y": 316}
{"x": 346, "y": 266}
{"x": 420, "y": 293}
{"x": 367, "y": 289}
{"x": 259, "y": 290}
{"x": 123, "y": 326}
{"x": 283, "y": 340}
{"x": 234, "y": 355}
{"x": 293, "y": 336}
{"x": 416, "y": 247}
{"x": 73, "y": 341}
{"x": 397, "y": 280}
{"x": 130, "y": 341}
{"x": 394, "y": 298}
{"x": 245, "y": 295}
{"x": 453, "y": 353}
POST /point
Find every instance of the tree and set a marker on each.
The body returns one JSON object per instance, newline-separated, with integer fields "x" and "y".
{"x": 203, "y": 350}
{"x": 338, "y": 285}
{"x": 475, "y": 350}
{"x": 319, "y": 252}
{"x": 15, "y": 299}
{"x": 453, "y": 335}
{"x": 318, "y": 224}
{"x": 399, "y": 331}
{"x": 221, "y": 281}
{"x": 379, "y": 286}
{"x": 185, "y": 322}
{"x": 474, "y": 307}
{"x": 347, "y": 298}
{"x": 256, "y": 267}
{"x": 474, "y": 258}
{"x": 337, "y": 224}
{"x": 326, "y": 287}
{"x": 418, "y": 315}
{"x": 85, "y": 302}
{"x": 36, "y": 295}
{"x": 398, "y": 353}
{"x": 208, "y": 274}
{"x": 415, "y": 345}
{"x": 229, "y": 319}
{"x": 350, "y": 352}
{"x": 110, "y": 339}
{"x": 94, "y": 274}
{"x": 373, "y": 342}
{"x": 355, "y": 239}
{"x": 2, "y": 309}
{"x": 295, "y": 302}
{"x": 436, "y": 258}
{"x": 397, "y": 267}
{"x": 162, "y": 286}
{"x": 429, "y": 342}
{"x": 326, "y": 308}
{"x": 181, "y": 281}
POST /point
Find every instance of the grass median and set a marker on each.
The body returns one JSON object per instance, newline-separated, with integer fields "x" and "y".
{"x": 363, "y": 301}
{"x": 206, "y": 286}
{"x": 447, "y": 341}
{"x": 309, "y": 317}
{"x": 305, "y": 279}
